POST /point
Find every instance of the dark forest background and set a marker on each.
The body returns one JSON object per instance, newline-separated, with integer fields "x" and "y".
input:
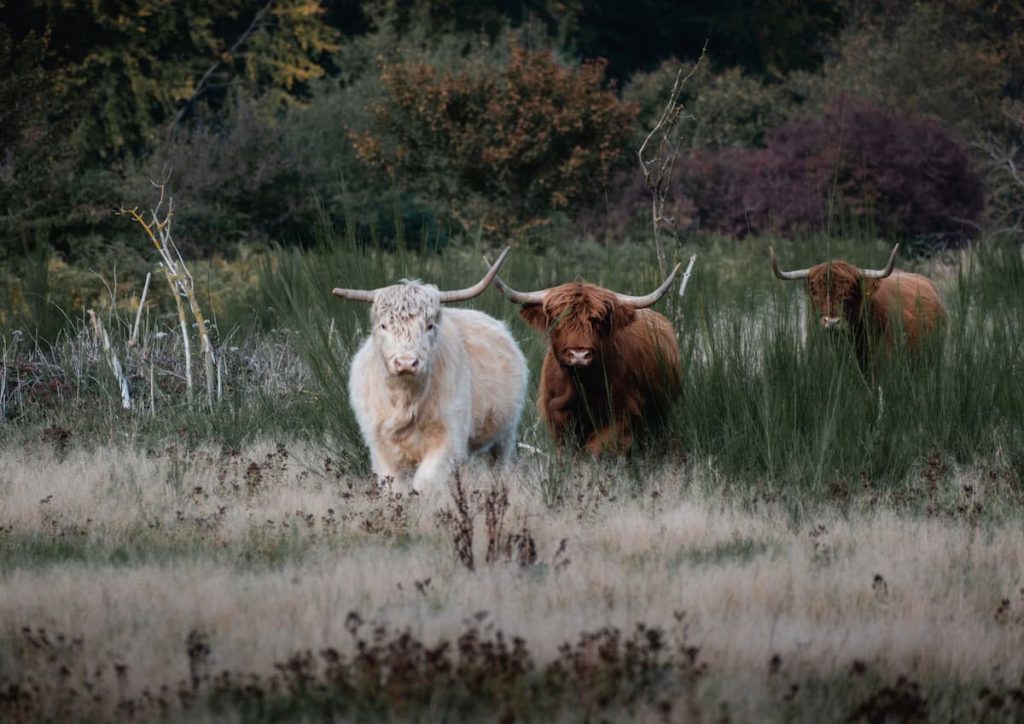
{"x": 454, "y": 121}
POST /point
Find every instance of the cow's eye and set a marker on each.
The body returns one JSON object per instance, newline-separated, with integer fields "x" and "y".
{"x": 430, "y": 326}
{"x": 384, "y": 327}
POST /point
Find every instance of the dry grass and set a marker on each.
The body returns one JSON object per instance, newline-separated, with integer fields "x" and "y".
{"x": 137, "y": 558}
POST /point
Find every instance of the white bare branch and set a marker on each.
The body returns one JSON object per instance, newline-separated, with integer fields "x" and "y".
{"x": 686, "y": 276}
{"x": 180, "y": 279}
{"x": 112, "y": 359}
{"x": 658, "y": 153}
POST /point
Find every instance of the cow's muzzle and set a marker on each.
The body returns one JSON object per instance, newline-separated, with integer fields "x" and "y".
{"x": 831, "y": 323}
{"x": 580, "y": 357}
{"x": 405, "y": 364}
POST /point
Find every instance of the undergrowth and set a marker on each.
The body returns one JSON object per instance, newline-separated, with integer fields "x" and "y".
{"x": 767, "y": 402}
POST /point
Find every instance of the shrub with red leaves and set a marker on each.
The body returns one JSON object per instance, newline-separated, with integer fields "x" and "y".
{"x": 905, "y": 175}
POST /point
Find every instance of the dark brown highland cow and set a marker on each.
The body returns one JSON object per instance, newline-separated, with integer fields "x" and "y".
{"x": 883, "y": 305}
{"x": 612, "y": 368}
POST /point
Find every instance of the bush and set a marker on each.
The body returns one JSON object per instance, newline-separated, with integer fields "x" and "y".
{"x": 959, "y": 61}
{"x": 88, "y": 88}
{"x": 905, "y": 176}
{"x": 500, "y": 146}
{"x": 726, "y": 107}
{"x": 953, "y": 60}
{"x": 233, "y": 178}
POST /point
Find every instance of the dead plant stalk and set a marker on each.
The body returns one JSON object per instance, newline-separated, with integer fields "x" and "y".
{"x": 158, "y": 230}
{"x": 112, "y": 359}
{"x": 657, "y": 168}
{"x": 138, "y": 314}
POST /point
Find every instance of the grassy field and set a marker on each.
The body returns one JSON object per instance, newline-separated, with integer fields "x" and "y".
{"x": 797, "y": 547}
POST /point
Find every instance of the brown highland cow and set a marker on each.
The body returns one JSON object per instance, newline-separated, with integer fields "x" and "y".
{"x": 612, "y": 367}
{"x": 883, "y": 305}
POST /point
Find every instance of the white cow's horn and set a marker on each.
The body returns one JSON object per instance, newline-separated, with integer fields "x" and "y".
{"x": 461, "y": 295}
{"x": 458, "y": 295}
{"x": 356, "y": 295}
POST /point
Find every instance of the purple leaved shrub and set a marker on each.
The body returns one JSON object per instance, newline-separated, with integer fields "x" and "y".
{"x": 903, "y": 176}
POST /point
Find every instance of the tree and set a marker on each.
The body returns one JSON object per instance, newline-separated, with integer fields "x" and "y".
{"x": 502, "y": 145}
{"x": 120, "y": 69}
{"x": 776, "y": 35}
{"x": 113, "y": 74}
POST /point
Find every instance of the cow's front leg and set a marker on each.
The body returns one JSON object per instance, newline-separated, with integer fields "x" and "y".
{"x": 616, "y": 438}
{"x": 435, "y": 467}
{"x": 385, "y": 473}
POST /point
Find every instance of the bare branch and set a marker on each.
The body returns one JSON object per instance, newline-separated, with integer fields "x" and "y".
{"x": 138, "y": 314}
{"x": 686, "y": 276}
{"x": 179, "y": 278}
{"x": 658, "y": 162}
{"x": 1004, "y": 178}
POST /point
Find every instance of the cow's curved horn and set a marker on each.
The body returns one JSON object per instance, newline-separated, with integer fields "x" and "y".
{"x": 457, "y": 295}
{"x": 649, "y": 299}
{"x": 517, "y": 297}
{"x": 461, "y": 295}
{"x": 786, "y": 275}
{"x": 882, "y": 273}
{"x": 356, "y": 295}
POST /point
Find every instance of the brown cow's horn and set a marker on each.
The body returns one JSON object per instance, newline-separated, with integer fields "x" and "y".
{"x": 649, "y": 299}
{"x": 517, "y": 297}
{"x": 882, "y": 273}
{"x": 461, "y": 295}
{"x": 786, "y": 275}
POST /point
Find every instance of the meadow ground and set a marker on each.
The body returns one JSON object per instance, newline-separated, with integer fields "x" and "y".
{"x": 797, "y": 546}
{"x": 263, "y": 581}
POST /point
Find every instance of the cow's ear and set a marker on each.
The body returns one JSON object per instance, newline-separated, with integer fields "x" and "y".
{"x": 623, "y": 315}
{"x": 535, "y": 316}
{"x": 870, "y": 286}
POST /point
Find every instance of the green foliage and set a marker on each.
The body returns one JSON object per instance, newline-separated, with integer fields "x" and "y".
{"x": 767, "y": 400}
{"x": 915, "y": 62}
{"x": 959, "y": 61}
{"x": 101, "y": 82}
{"x": 22, "y": 84}
{"x": 234, "y": 179}
{"x": 256, "y": 106}
{"x": 120, "y": 70}
{"x": 501, "y": 146}
{"x": 33, "y": 148}
{"x": 725, "y": 106}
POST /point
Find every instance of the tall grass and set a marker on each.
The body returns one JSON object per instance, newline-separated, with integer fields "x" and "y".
{"x": 763, "y": 404}
{"x": 767, "y": 399}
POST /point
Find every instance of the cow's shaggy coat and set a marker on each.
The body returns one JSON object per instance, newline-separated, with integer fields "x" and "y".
{"x": 431, "y": 386}
{"x": 886, "y": 308}
{"x": 627, "y": 386}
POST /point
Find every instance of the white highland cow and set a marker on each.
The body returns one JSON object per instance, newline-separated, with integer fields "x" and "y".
{"x": 430, "y": 386}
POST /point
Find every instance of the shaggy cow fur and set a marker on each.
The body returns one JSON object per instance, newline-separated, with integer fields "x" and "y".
{"x": 633, "y": 373}
{"x": 431, "y": 386}
{"x": 902, "y": 306}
